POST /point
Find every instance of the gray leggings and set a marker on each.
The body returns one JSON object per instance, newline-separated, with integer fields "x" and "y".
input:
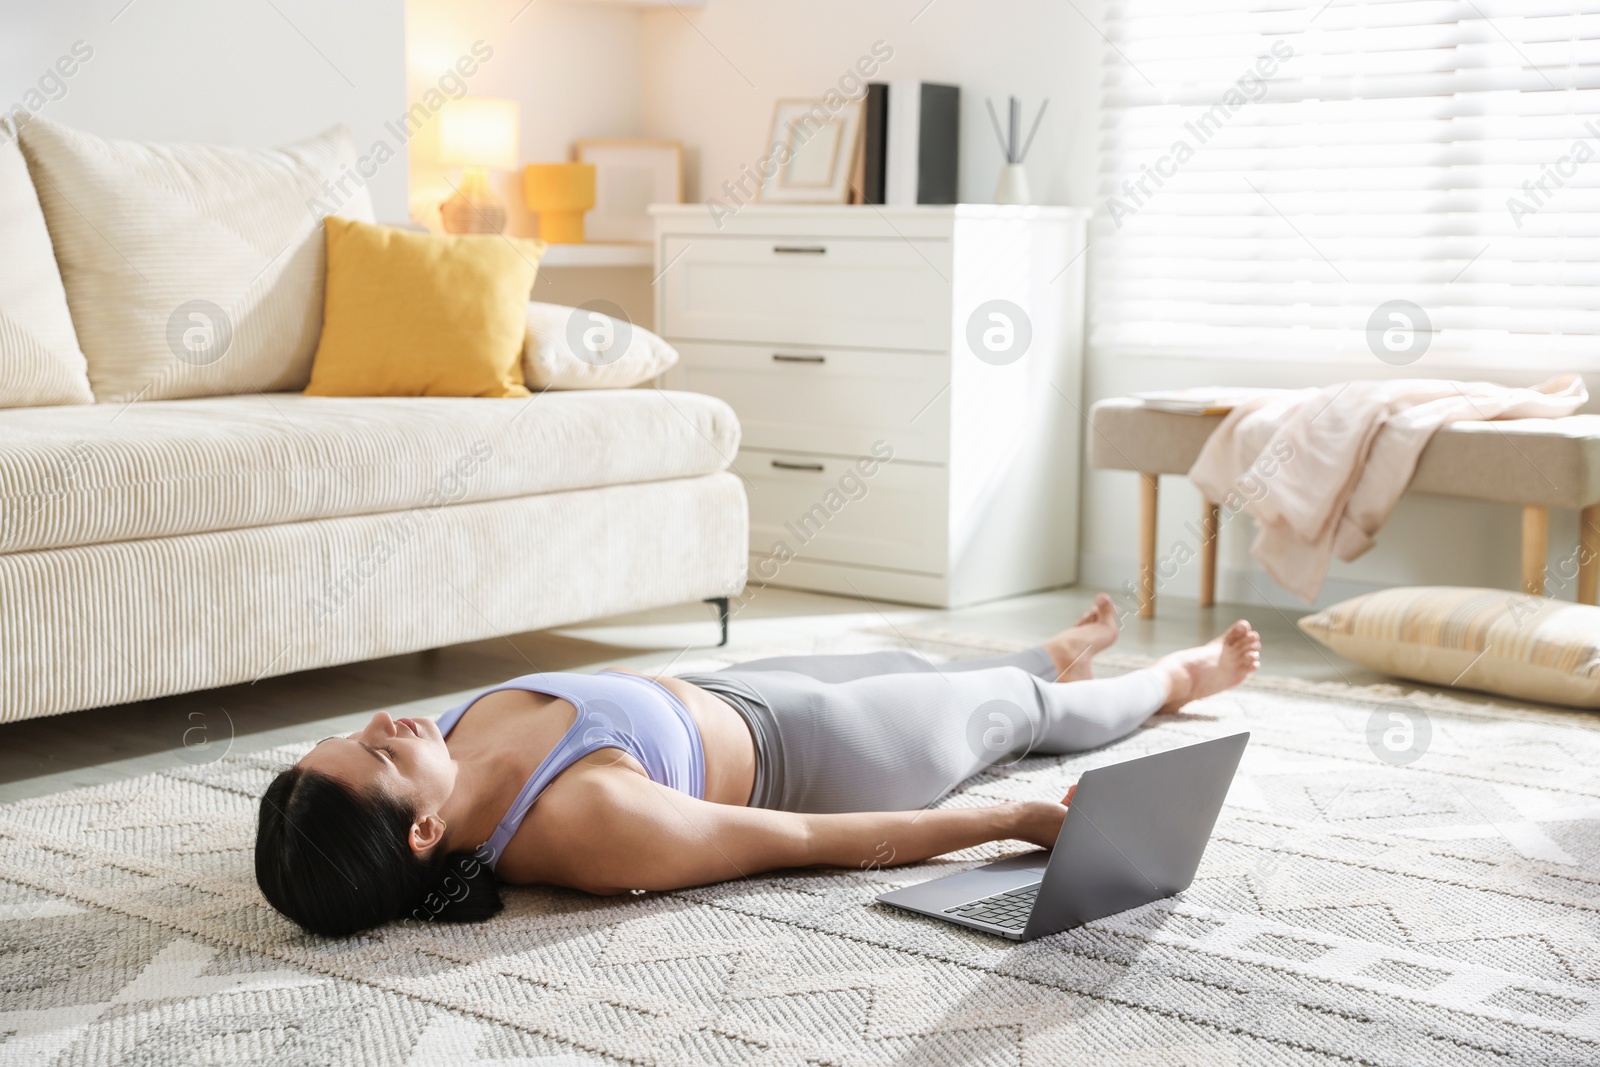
{"x": 890, "y": 731}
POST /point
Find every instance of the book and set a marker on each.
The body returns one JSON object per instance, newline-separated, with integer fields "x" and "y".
{"x": 1202, "y": 400}
{"x": 921, "y": 142}
{"x": 938, "y": 152}
{"x": 874, "y": 126}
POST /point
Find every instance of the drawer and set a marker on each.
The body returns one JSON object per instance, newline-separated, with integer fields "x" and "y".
{"x": 858, "y": 292}
{"x": 823, "y": 509}
{"x": 839, "y": 401}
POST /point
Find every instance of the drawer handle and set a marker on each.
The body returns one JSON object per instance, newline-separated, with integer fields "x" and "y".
{"x": 786, "y": 466}
{"x": 800, "y": 250}
{"x": 785, "y": 357}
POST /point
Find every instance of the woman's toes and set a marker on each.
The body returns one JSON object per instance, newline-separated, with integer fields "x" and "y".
{"x": 1096, "y": 613}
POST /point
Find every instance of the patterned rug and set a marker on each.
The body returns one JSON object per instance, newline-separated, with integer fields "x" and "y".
{"x": 1395, "y": 880}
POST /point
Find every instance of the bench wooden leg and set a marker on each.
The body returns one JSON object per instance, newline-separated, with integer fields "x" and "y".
{"x": 1589, "y": 555}
{"x": 1210, "y": 523}
{"x": 1535, "y": 544}
{"x": 1148, "y": 485}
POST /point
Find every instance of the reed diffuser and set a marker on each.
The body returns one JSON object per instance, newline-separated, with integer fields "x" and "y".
{"x": 1013, "y": 185}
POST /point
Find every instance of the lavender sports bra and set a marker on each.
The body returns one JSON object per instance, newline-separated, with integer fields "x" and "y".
{"x": 615, "y": 710}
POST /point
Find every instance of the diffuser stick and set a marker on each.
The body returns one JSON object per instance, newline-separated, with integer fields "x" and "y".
{"x": 998, "y": 136}
{"x": 1022, "y": 157}
{"x": 1011, "y": 140}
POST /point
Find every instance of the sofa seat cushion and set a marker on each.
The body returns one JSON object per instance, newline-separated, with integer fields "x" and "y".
{"x": 105, "y": 473}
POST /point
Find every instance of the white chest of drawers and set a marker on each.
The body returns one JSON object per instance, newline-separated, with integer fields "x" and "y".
{"x": 909, "y": 381}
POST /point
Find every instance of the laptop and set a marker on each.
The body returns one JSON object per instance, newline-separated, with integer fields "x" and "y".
{"x": 1135, "y": 833}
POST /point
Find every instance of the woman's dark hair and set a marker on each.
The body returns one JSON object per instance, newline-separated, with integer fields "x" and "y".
{"x": 338, "y": 862}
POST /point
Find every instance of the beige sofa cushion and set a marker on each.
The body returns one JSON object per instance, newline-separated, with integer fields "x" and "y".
{"x": 191, "y": 270}
{"x": 97, "y": 474}
{"x": 39, "y": 358}
{"x": 1496, "y": 640}
{"x": 576, "y": 348}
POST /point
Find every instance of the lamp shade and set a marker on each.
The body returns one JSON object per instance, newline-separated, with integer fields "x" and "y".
{"x": 479, "y": 131}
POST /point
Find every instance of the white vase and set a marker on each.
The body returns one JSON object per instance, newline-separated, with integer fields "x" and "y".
{"x": 1013, "y": 185}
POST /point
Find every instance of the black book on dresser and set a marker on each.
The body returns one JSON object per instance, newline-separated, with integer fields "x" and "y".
{"x": 875, "y": 128}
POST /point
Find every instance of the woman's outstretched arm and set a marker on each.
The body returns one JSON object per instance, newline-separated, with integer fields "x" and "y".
{"x": 623, "y": 831}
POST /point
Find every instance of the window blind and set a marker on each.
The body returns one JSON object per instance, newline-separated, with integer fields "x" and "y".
{"x": 1275, "y": 175}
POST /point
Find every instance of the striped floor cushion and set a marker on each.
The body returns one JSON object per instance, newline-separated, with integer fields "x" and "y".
{"x": 1494, "y": 640}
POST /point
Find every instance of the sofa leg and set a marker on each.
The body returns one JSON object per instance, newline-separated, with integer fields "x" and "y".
{"x": 722, "y": 615}
{"x": 1535, "y": 544}
{"x": 1210, "y": 528}
{"x": 1148, "y": 495}
{"x": 1589, "y": 555}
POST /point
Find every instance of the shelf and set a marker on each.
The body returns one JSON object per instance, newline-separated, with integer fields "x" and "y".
{"x": 599, "y": 254}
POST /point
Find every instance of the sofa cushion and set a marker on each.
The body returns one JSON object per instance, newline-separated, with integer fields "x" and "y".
{"x": 423, "y": 314}
{"x": 39, "y": 358}
{"x": 192, "y": 270}
{"x": 97, "y": 474}
{"x": 583, "y": 348}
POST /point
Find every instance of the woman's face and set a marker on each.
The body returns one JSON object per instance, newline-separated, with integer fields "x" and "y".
{"x": 402, "y": 758}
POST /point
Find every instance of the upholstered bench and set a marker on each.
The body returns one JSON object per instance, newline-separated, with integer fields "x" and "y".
{"x": 1537, "y": 464}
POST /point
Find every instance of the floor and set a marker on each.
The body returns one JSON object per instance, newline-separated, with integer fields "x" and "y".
{"x": 42, "y": 756}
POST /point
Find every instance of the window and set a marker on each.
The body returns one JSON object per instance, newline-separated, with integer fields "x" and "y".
{"x": 1284, "y": 180}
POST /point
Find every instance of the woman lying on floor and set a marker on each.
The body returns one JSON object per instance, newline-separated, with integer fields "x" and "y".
{"x": 664, "y": 783}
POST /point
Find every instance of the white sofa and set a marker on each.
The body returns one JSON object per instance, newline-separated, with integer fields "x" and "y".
{"x": 163, "y": 546}
{"x": 185, "y": 544}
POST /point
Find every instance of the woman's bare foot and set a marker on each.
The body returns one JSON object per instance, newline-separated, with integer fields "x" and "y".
{"x": 1073, "y": 650}
{"x": 1219, "y": 664}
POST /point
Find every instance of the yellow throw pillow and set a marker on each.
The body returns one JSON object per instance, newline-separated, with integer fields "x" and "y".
{"x": 1496, "y": 640}
{"x": 415, "y": 314}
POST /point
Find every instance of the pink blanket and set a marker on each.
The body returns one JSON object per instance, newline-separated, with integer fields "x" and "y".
{"x": 1321, "y": 469}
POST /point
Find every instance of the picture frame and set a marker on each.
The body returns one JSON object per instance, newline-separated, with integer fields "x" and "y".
{"x": 631, "y": 173}
{"x": 823, "y": 143}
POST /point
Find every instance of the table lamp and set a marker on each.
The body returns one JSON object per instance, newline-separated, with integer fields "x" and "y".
{"x": 477, "y": 133}
{"x": 560, "y": 193}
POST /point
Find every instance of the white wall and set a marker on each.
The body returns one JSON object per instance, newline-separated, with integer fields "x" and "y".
{"x": 248, "y": 74}
{"x": 712, "y": 76}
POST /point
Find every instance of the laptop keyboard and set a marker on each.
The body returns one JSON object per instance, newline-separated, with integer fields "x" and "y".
{"x": 1008, "y": 910}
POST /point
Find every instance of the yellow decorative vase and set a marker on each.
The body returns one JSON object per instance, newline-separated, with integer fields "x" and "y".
{"x": 559, "y": 193}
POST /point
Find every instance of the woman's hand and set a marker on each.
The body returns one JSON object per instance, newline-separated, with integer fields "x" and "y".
{"x": 1038, "y": 822}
